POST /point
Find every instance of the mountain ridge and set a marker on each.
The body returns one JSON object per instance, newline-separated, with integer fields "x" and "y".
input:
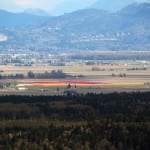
{"x": 87, "y": 29}
{"x": 112, "y": 5}
{"x": 36, "y": 12}
{"x": 10, "y": 19}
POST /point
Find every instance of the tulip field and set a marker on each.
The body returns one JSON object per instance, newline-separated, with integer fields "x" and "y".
{"x": 52, "y": 83}
{"x": 119, "y": 76}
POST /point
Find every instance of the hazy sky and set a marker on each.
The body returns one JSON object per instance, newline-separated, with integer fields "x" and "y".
{"x": 51, "y": 6}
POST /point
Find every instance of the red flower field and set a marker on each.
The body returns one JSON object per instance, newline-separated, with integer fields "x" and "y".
{"x": 62, "y": 83}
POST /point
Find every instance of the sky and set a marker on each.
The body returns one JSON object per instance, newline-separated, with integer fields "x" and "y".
{"x": 51, "y": 6}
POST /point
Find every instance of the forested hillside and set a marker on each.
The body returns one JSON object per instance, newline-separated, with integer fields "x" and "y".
{"x": 117, "y": 121}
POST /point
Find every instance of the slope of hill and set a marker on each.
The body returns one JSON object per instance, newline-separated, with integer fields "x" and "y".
{"x": 136, "y": 9}
{"x": 9, "y": 19}
{"x": 36, "y": 12}
{"x": 112, "y": 5}
{"x": 83, "y": 29}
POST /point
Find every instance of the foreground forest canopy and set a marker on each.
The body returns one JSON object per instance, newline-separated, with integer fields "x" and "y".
{"x": 116, "y": 121}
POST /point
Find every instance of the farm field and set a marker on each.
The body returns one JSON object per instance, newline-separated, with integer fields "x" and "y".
{"x": 123, "y": 76}
{"x": 77, "y": 68}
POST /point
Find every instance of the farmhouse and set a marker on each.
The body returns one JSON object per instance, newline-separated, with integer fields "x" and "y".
{"x": 22, "y": 88}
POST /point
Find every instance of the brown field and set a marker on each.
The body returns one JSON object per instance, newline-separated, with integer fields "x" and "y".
{"x": 104, "y": 81}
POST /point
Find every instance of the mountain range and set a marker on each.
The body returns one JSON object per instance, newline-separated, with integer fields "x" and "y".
{"x": 91, "y": 28}
{"x": 9, "y": 19}
{"x": 112, "y": 5}
{"x": 37, "y": 12}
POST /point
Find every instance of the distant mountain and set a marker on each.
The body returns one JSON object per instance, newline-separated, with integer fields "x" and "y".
{"x": 111, "y": 5}
{"x": 136, "y": 9}
{"x": 94, "y": 29}
{"x": 8, "y": 19}
{"x": 82, "y": 21}
{"x": 97, "y": 29}
{"x": 36, "y": 12}
{"x": 136, "y": 15}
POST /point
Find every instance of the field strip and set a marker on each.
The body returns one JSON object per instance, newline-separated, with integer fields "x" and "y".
{"x": 62, "y": 83}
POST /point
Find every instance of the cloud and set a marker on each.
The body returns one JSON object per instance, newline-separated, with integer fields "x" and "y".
{"x": 18, "y": 5}
{"x": 72, "y": 5}
{"x": 23, "y": 2}
{"x": 48, "y": 5}
{"x": 143, "y": 1}
{"x": 52, "y": 6}
{"x": 36, "y": 3}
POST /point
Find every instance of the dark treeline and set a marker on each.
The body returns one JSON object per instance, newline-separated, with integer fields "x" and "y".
{"x": 46, "y": 75}
{"x": 118, "y": 106}
{"x": 116, "y": 121}
{"x": 16, "y": 76}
